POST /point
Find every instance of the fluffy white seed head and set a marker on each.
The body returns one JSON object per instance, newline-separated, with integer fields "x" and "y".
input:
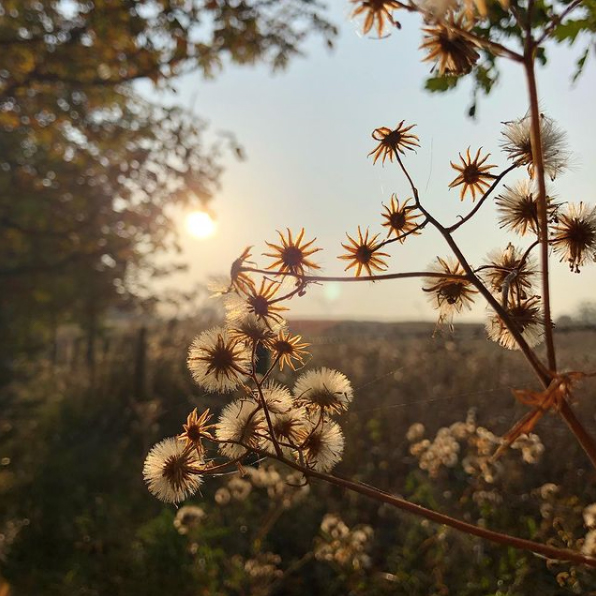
{"x": 170, "y": 471}
{"x": 240, "y": 422}
{"x": 324, "y": 389}
{"x": 322, "y": 444}
{"x": 214, "y": 359}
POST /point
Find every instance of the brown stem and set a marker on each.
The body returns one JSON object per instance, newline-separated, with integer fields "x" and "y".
{"x": 538, "y": 162}
{"x": 531, "y": 357}
{"x": 556, "y": 20}
{"x": 473, "y": 212}
{"x": 317, "y": 278}
{"x": 402, "y": 236}
{"x": 550, "y": 552}
{"x": 266, "y": 410}
{"x": 492, "y": 46}
{"x": 585, "y": 440}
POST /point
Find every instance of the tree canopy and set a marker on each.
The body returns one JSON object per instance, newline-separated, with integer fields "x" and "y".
{"x": 89, "y": 171}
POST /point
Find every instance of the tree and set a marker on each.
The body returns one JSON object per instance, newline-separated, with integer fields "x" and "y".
{"x": 88, "y": 170}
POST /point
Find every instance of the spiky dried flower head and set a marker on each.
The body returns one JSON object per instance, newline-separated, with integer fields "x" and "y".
{"x": 240, "y": 425}
{"x": 518, "y": 208}
{"x": 452, "y": 53}
{"x": 278, "y": 397}
{"x": 196, "y": 429}
{"x": 518, "y": 144}
{"x": 288, "y": 349}
{"x": 449, "y": 294}
{"x": 263, "y": 304}
{"x": 377, "y": 12}
{"x": 217, "y": 361}
{"x": 250, "y": 329}
{"x": 323, "y": 389}
{"x": 473, "y": 174}
{"x": 401, "y": 218}
{"x": 574, "y": 236}
{"x": 292, "y": 254}
{"x": 321, "y": 444}
{"x": 288, "y": 428}
{"x": 364, "y": 254}
{"x": 436, "y": 10}
{"x": 510, "y": 272}
{"x": 526, "y": 316}
{"x": 171, "y": 471}
{"x": 391, "y": 141}
{"x": 241, "y": 280}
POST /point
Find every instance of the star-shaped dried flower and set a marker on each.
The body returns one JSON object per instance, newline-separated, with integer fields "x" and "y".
{"x": 292, "y": 255}
{"x": 287, "y": 348}
{"x": 391, "y": 141}
{"x": 197, "y": 428}
{"x": 378, "y": 11}
{"x": 241, "y": 280}
{"x": 453, "y": 53}
{"x": 473, "y": 174}
{"x": 263, "y": 304}
{"x": 401, "y": 219}
{"x": 363, "y": 254}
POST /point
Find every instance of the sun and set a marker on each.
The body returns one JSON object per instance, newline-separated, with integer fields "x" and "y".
{"x": 200, "y": 224}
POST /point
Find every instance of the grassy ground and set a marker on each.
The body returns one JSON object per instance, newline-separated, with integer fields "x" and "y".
{"x": 77, "y": 518}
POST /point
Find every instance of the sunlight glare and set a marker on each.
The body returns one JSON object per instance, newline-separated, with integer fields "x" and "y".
{"x": 200, "y": 224}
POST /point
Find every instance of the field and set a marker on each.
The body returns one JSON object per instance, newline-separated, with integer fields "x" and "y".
{"x": 77, "y": 518}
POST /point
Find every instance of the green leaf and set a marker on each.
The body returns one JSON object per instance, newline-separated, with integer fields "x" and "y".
{"x": 440, "y": 84}
{"x": 569, "y": 30}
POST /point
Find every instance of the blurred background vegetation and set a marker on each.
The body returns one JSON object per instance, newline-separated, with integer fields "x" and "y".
{"x": 91, "y": 377}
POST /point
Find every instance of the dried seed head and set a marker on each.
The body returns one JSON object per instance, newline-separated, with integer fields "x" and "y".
{"x": 518, "y": 145}
{"x": 240, "y": 425}
{"x": 401, "y": 219}
{"x": 508, "y": 272}
{"x": 518, "y": 208}
{"x": 375, "y": 12}
{"x": 526, "y": 316}
{"x": 292, "y": 255}
{"x": 574, "y": 237}
{"x": 392, "y": 141}
{"x": 323, "y": 390}
{"x": 363, "y": 254}
{"x": 452, "y": 53}
{"x": 448, "y": 294}
{"x": 216, "y": 360}
{"x": 171, "y": 471}
{"x": 473, "y": 174}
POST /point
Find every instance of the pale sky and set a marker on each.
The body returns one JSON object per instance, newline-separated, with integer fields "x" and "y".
{"x": 306, "y": 133}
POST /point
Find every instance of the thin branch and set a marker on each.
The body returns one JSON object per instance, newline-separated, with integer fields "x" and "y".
{"x": 492, "y": 46}
{"x": 556, "y": 20}
{"x": 584, "y": 439}
{"x": 402, "y": 236}
{"x": 320, "y": 278}
{"x": 473, "y": 212}
{"x": 550, "y": 552}
{"x": 531, "y": 357}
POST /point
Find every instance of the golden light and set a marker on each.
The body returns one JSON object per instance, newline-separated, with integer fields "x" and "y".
{"x": 200, "y": 224}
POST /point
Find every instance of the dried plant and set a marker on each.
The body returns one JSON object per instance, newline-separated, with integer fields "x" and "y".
{"x": 300, "y": 427}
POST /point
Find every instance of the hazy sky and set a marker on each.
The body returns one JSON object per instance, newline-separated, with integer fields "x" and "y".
{"x": 306, "y": 133}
